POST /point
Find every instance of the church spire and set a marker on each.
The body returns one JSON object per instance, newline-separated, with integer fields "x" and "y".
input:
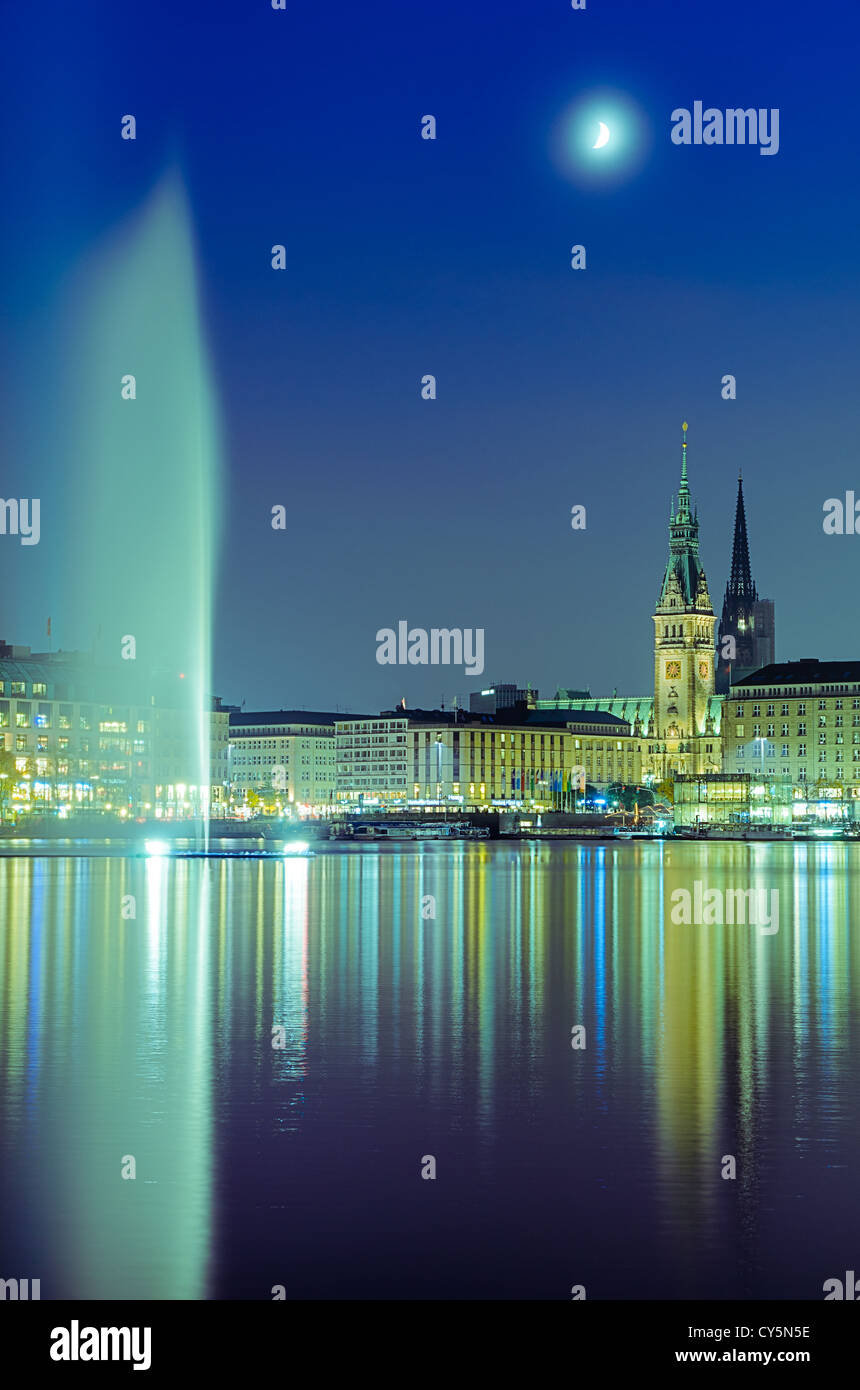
{"x": 745, "y": 639}
{"x": 740, "y": 585}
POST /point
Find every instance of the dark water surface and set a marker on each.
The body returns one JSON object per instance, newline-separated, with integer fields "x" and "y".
{"x": 407, "y": 1035}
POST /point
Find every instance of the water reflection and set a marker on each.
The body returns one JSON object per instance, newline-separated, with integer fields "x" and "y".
{"x": 279, "y": 1043}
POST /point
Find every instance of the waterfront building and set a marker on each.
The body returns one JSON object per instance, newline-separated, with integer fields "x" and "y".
{"x": 283, "y": 759}
{"x": 75, "y": 736}
{"x": 371, "y": 760}
{"x": 796, "y": 724}
{"x": 601, "y": 742}
{"x": 450, "y": 759}
{"x": 712, "y": 798}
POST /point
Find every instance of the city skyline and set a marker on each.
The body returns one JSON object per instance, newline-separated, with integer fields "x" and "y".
{"x": 429, "y": 684}
{"x": 410, "y": 673}
{"x": 407, "y": 256}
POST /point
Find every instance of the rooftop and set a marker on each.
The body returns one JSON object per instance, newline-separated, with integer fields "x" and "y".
{"x": 807, "y": 671}
{"x": 244, "y": 718}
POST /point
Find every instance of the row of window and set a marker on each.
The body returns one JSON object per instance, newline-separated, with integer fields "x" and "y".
{"x": 286, "y": 731}
{"x": 41, "y": 719}
{"x": 343, "y": 742}
{"x": 801, "y": 708}
{"x": 810, "y": 692}
{"x": 347, "y": 770}
{"x": 800, "y": 731}
{"x": 378, "y": 782}
{"x": 289, "y": 739}
{"x": 20, "y": 688}
{"x": 368, "y": 726}
{"x": 837, "y": 755}
{"x": 260, "y": 761}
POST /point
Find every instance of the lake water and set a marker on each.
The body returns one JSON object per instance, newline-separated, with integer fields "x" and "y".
{"x": 407, "y": 1035}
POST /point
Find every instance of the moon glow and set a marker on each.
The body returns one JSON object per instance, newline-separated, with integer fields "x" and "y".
{"x": 601, "y": 139}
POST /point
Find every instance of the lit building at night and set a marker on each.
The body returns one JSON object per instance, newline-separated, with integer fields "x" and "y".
{"x": 285, "y": 758}
{"x": 712, "y": 798}
{"x": 679, "y": 725}
{"x": 76, "y": 736}
{"x": 685, "y": 734}
{"x": 796, "y": 725}
{"x": 453, "y": 758}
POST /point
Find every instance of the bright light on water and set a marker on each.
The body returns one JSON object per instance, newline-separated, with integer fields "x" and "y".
{"x": 152, "y": 1037}
{"x": 155, "y": 848}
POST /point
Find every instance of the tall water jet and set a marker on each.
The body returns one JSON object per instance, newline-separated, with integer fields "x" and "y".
{"x": 145, "y": 463}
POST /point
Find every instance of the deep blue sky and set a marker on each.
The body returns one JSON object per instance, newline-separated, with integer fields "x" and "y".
{"x": 406, "y": 257}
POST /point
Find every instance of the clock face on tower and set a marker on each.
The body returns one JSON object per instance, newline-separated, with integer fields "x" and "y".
{"x": 703, "y": 670}
{"x": 673, "y": 670}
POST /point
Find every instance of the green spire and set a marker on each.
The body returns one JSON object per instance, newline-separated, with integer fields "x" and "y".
{"x": 684, "y": 564}
{"x": 684, "y": 490}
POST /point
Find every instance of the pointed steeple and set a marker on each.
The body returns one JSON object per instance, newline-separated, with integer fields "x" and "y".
{"x": 746, "y": 620}
{"x": 684, "y": 568}
{"x": 740, "y": 587}
{"x": 683, "y": 640}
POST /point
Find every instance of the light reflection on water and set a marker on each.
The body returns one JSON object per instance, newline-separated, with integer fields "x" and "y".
{"x": 407, "y": 1034}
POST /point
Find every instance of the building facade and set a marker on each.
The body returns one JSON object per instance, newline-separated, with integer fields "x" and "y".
{"x": 284, "y": 758}
{"x": 795, "y": 726}
{"x": 450, "y": 759}
{"x": 75, "y": 737}
{"x": 371, "y": 761}
{"x": 713, "y": 798}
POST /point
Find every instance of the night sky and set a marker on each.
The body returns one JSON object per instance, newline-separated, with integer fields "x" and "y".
{"x": 452, "y": 257}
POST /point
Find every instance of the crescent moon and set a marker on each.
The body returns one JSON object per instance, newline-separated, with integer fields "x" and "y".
{"x": 602, "y": 137}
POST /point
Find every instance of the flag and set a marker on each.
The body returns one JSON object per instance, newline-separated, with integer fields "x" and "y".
{"x": 49, "y": 627}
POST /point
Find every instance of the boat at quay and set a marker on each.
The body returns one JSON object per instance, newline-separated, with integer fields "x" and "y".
{"x": 373, "y": 832}
{"x": 764, "y": 833}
